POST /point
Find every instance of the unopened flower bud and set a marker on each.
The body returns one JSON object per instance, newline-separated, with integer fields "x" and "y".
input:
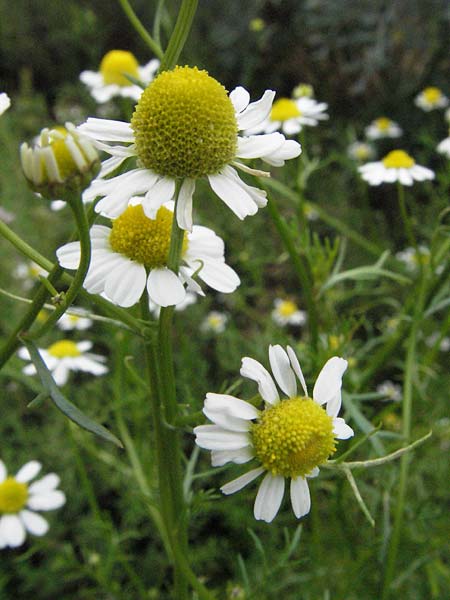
{"x": 303, "y": 90}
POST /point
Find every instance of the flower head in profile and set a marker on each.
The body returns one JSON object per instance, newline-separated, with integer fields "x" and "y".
{"x": 20, "y": 500}
{"x": 286, "y": 438}
{"x": 5, "y": 102}
{"x": 286, "y": 312}
{"x": 186, "y": 127}
{"x": 444, "y": 146}
{"x": 72, "y": 320}
{"x": 383, "y": 128}
{"x": 65, "y": 356}
{"x": 214, "y": 322}
{"x": 111, "y": 79}
{"x": 360, "y": 151}
{"x": 132, "y": 255}
{"x": 290, "y": 115}
{"x": 431, "y": 98}
{"x": 395, "y": 166}
{"x": 390, "y": 390}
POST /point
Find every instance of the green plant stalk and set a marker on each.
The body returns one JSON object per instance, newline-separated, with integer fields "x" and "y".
{"x": 405, "y": 218}
{"x": 179, "y": 35}
{"x": 140, "y": 29}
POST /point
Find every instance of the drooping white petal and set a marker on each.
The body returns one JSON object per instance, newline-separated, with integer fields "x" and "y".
{"x": 107, "y": 130}
{"x": 12, "y": 531}
{"x": 28, "y": 471}
{"x": 124, "y": 285}
{"x": 240, "y": 482}
{"x": 219, "y": 276}
{"x": 204, "y": 243}
{"x": 164, "y": 287}
{"x": 297, "y": 369}
{"x": 88, "y": 365}
{"x": 46, "y": 484}
{"x": 269, "y": 498}
{"x": 235, "y": 196}
{"x": 239, "y": 457}
{"x": 300, "y": 497}
{"x": 256, "y": 111}
{"x": 239, "y": 98}
{"x": 254, "y": 370}
{"x": 290, "y": 149}
{"x": 60, "y": 373}
{"x": 103, "y": 264}
{"x": 34, "y": 523}
{"x": 255, "y": 146}
{"x": 327, "y": 388}
{"x": 281, "y": 369}
{"x": 231, "y": 405}
{"x": 341, "y": 430}
{"x": 214, "y": 437}
{"x": 184, "y": 204}
{"x": 47, "y": 501}
{"x": 69, "y": 255}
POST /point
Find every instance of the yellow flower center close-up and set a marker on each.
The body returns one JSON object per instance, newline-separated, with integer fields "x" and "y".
{"x": 432, "y": 94}
{"x": 383, "y": 123}
{"x": 284, "y": 109}
{"x": 398, "y": 159}
{"x": 293, "y": 437}
{"x": 64, "y": 349}
{"x": 141, "y": 239}
{"x": 13, "y": 496}
{"x": 116, "y": 64}
{"x": 185, "y": 124}
{"x": 287, "y": 308}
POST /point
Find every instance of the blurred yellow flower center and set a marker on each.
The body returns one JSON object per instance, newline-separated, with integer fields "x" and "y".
{"x": 362, "y": 152}
{"x": 115, "y": 64}
{"x": 432, "y": 94}
{"x": 287, "y": 308}
{"x": 144, "y": 240}
{"x": 64, "y": 349}
{"x": 284, "y": 109}
{"x": 383, "y": 123}
{"x": 398, "y": 159}
{"x": 185, "y": 124}
{"x": 293, "y": 437}
{"x": 13, "y": 495}
{"x": 303, "y": 90}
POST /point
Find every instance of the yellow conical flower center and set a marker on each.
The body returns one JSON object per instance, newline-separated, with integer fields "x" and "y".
{"x": 116, "y": 64}
{"x": 64, "y": 349}
{"x": 185, "y": 124}
{"x": 144, "y": 240}
{"x": 293, "y": 437}
{"x": 287, "y": 308}
{"x": 432, "y": 94}
{"x": 398, "y": 159}
{"x": 13, "y": 495}
{"x": 284, "y": 109}
{"x": 383, "y": 123}
{"x": 362, "y": 152}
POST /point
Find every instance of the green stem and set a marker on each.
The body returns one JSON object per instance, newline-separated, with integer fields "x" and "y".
{"x": 179, "y": 35}
{"x": 133, "y": 18}
{"x": 406, "y": 220}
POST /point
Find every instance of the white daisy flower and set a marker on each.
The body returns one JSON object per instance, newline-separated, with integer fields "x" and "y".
{"x": 411, "y": 259}
{"x": 185, "y": 127}
{"x": 290, "y": 115}
{"x": 111, "y": 79}
{"x": 133, "y": 254}
{"x": 395, "y": 166}
{"x": 286, "y": 312}
{"x": 303, "y": 90}
{"x": 5, "y": 102}
{"x": 390, "y": 390}
{"x": 360, "y": 151}
{"x": 431, "y": 98}
{"x": 65, "y": 356}
{"x": 288, "y": 438}
{"x": 214, "y": 322}
{"x": 383, "y": 128}
{"x": 29, "y": 272}
{"x": 73, "y": 320}
{"x": 20, "y": 500}
{"x": 444, "y": 344}
{"x": 444, "y": 147}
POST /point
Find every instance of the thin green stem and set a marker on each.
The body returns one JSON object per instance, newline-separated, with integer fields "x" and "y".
{"x": 179, "y": 35}
{"x": 405, "y": 218}
{"x": 140, "y": 29}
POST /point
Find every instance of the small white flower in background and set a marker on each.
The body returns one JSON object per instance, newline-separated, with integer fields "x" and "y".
{"x": 411, "y": 258}
{"x": 390, "y": 390}
{"x": 286, "y": 312}
{"x": 360, "y": 151}
{"x": 444, "y": 344}
{"x": 185, "y": 127}
{"x": 310, "y": 212}
{"x": 20, "y": 499}
{"x": 6, "y": 216}
{"x": 288, "y": 438}
{"x": 383, "y": 128}
{"x": 133, "y": 254}
{"x": 214, "y": 322}
{"x": 5, "y": 102}
{"x": 111, "y": 79}
{"x": 73, "y": 320}
{"x": 444, "y": 147}
{"x": 395, "y": 166}
{"x": 65, "y": 356}
{"x": 303, "y": 90}
{"x": 29, "y": 273}
{"x": 431, "y": 98}
{"x": 189, "y": 299}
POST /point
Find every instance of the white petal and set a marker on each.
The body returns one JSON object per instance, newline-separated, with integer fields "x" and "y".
{"x": 405, "y": 177}
{"x": 239, "y": 457}
{"x": 88, "y": 365}
{"x": 290, "y": 149}
{"x": 240, "y": 482}
{"x": 281, "y": 369}
{"x": 239, "y": 98}
{"x": 254, "y": 370}
{"x": 28, "y": 471}
{"x": 34, "y": 523}
{"x": 184, "y": 204}
{"x": 232, "y": 193}
{"x": 23, "y": 353}
{"x": 3, "y": 471}
{"x": 69, "y": 255}
{"x": 46, "y": 501}
{"x": 231, "y": 405}
{"x": 213, "y": 437}
{"x": 164, "y": 287}
{"x": 12, "y": 531}
{"x": 107, "y": 130}
{"x": 297, "y": 369}
{"x": 341, "y": 430}
{"x": 219, "y": 276}
{"x": 300, "y": 497}
{"x": 256, "y": 111}
{"x": 204, "y": 243}
{"x": 47, "y": 483}
{"x": 269, "y": 497}
{"x": 124, "y": 286}
{"x": 327, "y": 388}
{"x": 255, "y": 146}
{"x": 60, "y": 374}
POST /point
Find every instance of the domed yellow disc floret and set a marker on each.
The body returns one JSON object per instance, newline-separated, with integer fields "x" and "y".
{"x": 432, "y": 94}
{"x": 13, "y": 496}
{"x": 383, "y": 123}
{"x": 284, "y": 109}
{"x": 293, "y": 437}
{"x": 398, "y": 159}
{"x": 287, "y": 308}
{"x": 64, "y": 349}
{"x": 185, "y": 124}
{"x": 116, "y": 64}
{"x": 144, "y": 240}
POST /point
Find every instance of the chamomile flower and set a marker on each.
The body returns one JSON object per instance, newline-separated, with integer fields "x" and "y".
{"x": 383, "y": 128}
{"x": 184, "y": 128}
{"x": 390, "y": 390}
{"x": 287, "y": 438}
{"x": 111, "y": 79}
{"x": 444, "y": 344}
{"x": 395, "y": 166}
{"x": 29, "y": 272}
{"x": 411, "y": 258}
{"x": 5, "y": 102}
{"x": 361, "y": 151}
{"x": 132, "y": 255}
{"x": 286, "y": 312}
{"x": 73, "y": 321}
{"x": 444, "y": 147}
{"x": 65, "y": 356}
{"x": 431, "y": 98}
{"x": 214, "y": 322}
{"x": 20, "y": 500}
